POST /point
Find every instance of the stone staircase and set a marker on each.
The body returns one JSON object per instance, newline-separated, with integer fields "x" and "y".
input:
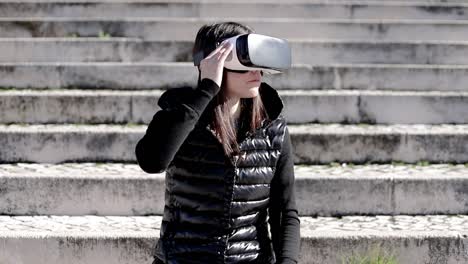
{"x": 376, "y": 101}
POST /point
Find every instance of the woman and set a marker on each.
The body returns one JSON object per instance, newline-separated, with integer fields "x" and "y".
{"x": 229, "y": 166}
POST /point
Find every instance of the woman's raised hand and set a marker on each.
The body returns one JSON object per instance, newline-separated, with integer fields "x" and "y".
{"x": 212, "y": 66}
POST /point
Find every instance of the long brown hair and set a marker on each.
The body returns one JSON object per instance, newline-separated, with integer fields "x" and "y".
{"x": 252, "y": 109}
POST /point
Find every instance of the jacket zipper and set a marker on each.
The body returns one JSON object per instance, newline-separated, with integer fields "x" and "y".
{"x": 234, "y": 162}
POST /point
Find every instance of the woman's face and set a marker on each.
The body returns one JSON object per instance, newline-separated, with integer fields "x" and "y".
{"x": 243, "y": 85}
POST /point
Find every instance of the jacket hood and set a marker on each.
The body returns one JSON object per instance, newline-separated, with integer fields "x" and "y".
{"x": 271, "y": 100}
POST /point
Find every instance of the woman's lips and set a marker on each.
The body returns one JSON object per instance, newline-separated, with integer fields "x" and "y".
{"x": 254, "y": 81}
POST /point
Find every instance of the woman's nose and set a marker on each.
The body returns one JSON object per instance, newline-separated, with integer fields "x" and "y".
{"x": 257, "y": 72}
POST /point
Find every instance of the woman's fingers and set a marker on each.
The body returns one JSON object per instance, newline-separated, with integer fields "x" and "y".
{"x": 212, "y": 66}
{"x": 217, "y": 50}
{"x": 214, "y": 51}
{"x": 224, "y": 52}
{"x": 227, "y": 51}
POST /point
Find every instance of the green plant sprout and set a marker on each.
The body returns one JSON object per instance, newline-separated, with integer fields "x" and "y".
{"x": 103, "y": 34}
{"x": 375, "y": 257}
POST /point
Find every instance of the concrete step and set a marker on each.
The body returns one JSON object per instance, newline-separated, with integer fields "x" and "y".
{"x": 135, "y": 76}
{"x": 324, "y": 240}
{"x": 238, "y": 9}
{"x": 313, "y": 143}
{"x": 301, "y": 106}
{"x": 186, "y": 28}
{"x": 93, "y": 50}
{"x": 304, "y": 51}
{"x": 321, "y": 190}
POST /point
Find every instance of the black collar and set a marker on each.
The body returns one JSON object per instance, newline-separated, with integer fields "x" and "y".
{"x": 271, "y": 100}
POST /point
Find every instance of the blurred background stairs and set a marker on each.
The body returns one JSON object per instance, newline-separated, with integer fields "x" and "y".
{"x": 376, "y": 102}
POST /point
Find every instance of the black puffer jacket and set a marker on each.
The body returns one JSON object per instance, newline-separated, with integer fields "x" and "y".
{"x": 217, "y": 209}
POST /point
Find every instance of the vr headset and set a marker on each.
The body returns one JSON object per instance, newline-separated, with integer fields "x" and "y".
{"x": 255, "y": 52}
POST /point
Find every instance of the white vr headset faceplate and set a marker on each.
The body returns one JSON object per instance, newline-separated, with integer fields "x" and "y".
{"x": 232, "y": 62}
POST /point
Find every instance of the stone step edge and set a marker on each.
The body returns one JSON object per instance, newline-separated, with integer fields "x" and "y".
{"x": 93, "y": 170}
{"x": 148, "y": 226}
{"x": 332, "y": 128}
{"x": 244, "y": 19}
{"x": 413, "y": 3}
{"x": 292, "y": 40}
{"x": 293, "y": 66}
{"x": 157, "y": 92}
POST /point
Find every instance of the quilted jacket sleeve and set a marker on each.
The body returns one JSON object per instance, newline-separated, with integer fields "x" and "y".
{"x": 283, "y": 214}
{"x": 180, "y": 110}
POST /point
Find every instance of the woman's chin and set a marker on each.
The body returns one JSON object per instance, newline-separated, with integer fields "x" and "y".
{"x": 252, "y": 92}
